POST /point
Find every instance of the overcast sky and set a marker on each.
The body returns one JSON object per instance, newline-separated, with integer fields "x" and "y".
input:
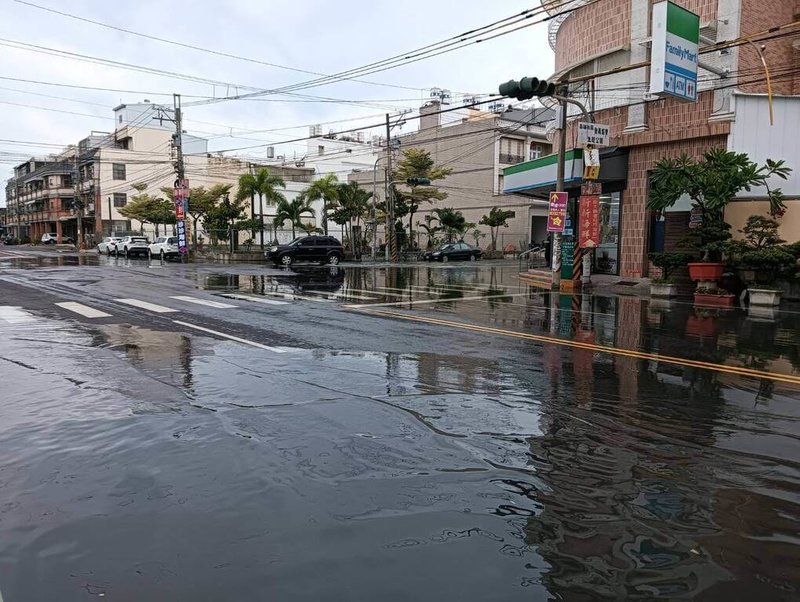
{"x": 315, "y": 35}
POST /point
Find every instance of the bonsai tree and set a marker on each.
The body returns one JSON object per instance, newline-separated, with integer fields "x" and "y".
{"x": 711, "y": 183}
{"x": 496, "y": 219}
{"x": 669, "y": 262}
{"x": 761, "y": 250}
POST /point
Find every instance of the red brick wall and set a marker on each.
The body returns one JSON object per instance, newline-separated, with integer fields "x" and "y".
{"x": 591, "y": 30}
{"x": 782, "y": 59}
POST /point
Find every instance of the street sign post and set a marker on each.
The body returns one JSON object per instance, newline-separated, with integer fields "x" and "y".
{"x": 674, "y": 56}
{"x": 593, "y": 134}
{"x": 557, "y": 213}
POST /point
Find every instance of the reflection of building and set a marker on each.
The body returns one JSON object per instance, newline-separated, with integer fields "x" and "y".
{"x": 731, "y": 113}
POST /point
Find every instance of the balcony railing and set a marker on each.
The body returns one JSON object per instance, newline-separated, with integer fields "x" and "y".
{"x": 511, "y": 159}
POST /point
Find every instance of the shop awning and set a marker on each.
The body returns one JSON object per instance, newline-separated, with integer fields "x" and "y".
{"x": 538, "y": 177}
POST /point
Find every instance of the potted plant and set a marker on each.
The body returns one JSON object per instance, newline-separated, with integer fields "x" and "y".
{"x": 668, "y": 263}
{"x": 711, "y": 183}
{"x": 715, "y": 297}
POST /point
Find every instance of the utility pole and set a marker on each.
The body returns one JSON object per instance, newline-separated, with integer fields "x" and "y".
{"x": 77, "y": 202}
{"x": 391, "y": 238}
{"x": 555, "y": 253}
{"x": 181, "y": 205}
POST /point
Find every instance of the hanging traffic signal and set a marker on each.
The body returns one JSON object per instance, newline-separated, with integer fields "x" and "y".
{"x": 527, "y": 88}
{"x": 418, "y": 182}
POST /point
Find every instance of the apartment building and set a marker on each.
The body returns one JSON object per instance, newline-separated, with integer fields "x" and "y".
{"x": 731, "y": 112}
{"x": 477, "y": 145}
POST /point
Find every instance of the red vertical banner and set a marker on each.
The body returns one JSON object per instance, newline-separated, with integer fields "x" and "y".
{"x": 589, "y": 222}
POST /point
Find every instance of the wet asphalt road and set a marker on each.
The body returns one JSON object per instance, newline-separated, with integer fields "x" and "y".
{"x": 365, "y": 433}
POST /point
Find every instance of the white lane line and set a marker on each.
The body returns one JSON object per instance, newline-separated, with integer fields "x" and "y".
{"x": 338, "y": 295}
{"x": 83, "y": 310}
{"x": 297, "y": 296}
{"x": 431, "y": 301}
{"x": 15, "y": 315}
{"x": 229, "y": 336}
{"x": 254, "y": 299}
{"x": 159, "y": 309}
{"x": 205, "y": 302}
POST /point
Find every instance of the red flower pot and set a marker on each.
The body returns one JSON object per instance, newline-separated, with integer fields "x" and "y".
{"x": 714, "y": 300}
{"x": 706, "y": 272}
{"x": 700, "y": 326}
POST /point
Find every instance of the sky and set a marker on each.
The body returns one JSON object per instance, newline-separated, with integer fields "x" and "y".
{"x": 311, "y": 35}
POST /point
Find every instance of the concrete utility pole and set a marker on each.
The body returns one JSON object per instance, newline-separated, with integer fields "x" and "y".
{"x": 78, "y": 201}
{"x": 374, "y": 200}
{"x": 391, "y": 238}
{"x": 555, "y": 252}
{"x": 180, "y": 169}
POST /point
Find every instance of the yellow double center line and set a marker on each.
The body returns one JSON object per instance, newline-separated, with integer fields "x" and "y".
{"x": 739, "y": 371}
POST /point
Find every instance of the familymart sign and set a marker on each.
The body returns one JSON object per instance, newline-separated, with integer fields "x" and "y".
{"x": 674, "y": 55}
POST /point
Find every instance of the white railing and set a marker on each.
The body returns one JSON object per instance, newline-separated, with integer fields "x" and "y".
{"x": 563, "y": 9}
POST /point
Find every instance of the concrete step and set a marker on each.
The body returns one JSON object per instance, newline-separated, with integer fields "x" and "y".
{"x": 538, "y": 278}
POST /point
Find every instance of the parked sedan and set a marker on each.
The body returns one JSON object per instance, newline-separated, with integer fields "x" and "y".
{"x": 133, "y": 245}
{"x": 453, "y": 252}
{"x": 108, "y": 245}
{"x": 164, "y": 247}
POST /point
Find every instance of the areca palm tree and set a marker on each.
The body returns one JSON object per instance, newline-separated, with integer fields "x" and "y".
{"x": 265, "y": 185}
{"x": 353, "y": 205}
{"x": 326, "y": 189}
{"x": 292, "y": 211}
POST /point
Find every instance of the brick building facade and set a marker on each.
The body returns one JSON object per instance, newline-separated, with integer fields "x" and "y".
{"x": 597, "y": 37}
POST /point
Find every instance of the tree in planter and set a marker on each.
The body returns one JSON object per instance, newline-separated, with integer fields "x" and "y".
{"x": 668, "y": 262}
{"x": 761, "y": 252}
{"x": 417, "y": 163}
{"x": 711, "y": 183}
{"x": 496, "y": 219}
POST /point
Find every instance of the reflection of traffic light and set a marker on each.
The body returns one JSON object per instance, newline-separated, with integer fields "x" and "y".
{"x": 418, "y": 182}
{"x": 527, "y": 88}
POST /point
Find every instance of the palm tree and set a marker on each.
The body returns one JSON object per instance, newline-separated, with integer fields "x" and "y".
{"x": 453, "y": 222}
{"x": 292, "y": 211}
{"x": 265, "y": 185}
{"x": 326, "y": 189}
{"x": 353, "y": 205}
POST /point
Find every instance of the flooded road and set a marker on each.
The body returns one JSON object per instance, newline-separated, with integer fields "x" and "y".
{"x": 364, "y": 456}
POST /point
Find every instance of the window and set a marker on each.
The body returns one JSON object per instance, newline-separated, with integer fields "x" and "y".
{"x": 120, "y": 199}
{"x": 535, "y": 152}
{"x": 120, "y": 117}
{"x": 511, "y": 150}
{"x": 500, "y": 183}
{"x": 320, "y": 150}
{"x": 118, "y": 171}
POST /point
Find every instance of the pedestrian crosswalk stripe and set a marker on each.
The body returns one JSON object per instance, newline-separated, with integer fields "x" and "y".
{"x": 15, "y": 315}
{"x": 254, "y": 299}
{"x": 83, "y": 310}
{"x": 340, "y": 295}
{"x": 205, "y": 302}
{"x": 159, "y": 309}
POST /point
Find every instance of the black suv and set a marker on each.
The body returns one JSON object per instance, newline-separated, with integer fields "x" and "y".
{"x": 318, "y": 249}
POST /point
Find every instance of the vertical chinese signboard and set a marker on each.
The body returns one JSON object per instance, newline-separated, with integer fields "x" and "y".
{"x": 589, "y": 222}
{"x": 181, "y": 195}
{"x": 557, "y": 214}
{"x": 674, "y": 57}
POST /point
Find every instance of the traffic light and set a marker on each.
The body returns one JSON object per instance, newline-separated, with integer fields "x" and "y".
{"x": 418, "y": 182}
{"x": 527, "y": 88}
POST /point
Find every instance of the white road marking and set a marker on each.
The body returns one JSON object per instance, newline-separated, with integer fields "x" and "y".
{"x": 296, "y": 296}
{"x": 431, "y": 301}
{"x": 254, "y": 299}
{"x": 15, "y": 315}
{"x": 229, "y": 336}
{"x": 83, "y": 310}
{"x": 206, "y": 302}
{"x": 158, "y": 309}
{"x": 338, "y": 295}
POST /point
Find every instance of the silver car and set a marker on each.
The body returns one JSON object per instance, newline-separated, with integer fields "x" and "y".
{"x": 108, "y": 245}
{"x": 133, "y": 245}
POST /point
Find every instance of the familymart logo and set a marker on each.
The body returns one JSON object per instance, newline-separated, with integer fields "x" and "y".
{"x": 682, "y": 53}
